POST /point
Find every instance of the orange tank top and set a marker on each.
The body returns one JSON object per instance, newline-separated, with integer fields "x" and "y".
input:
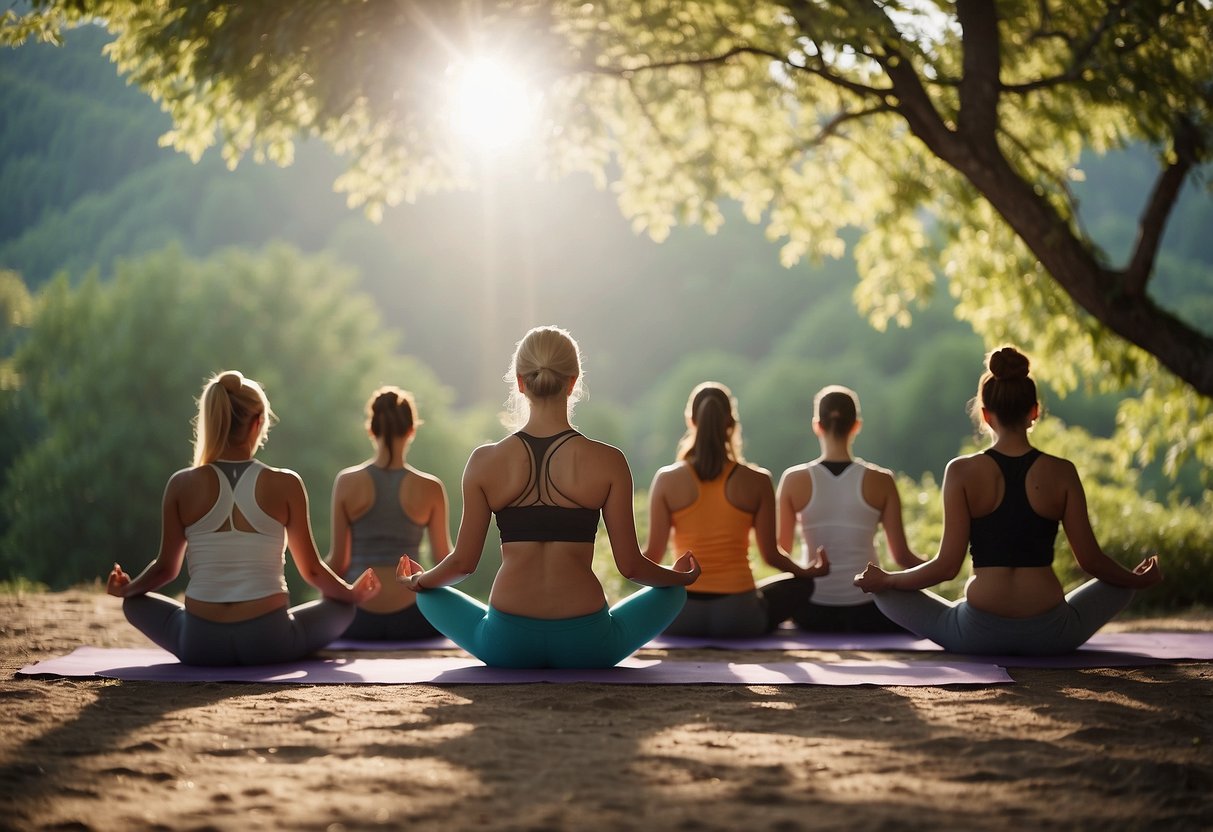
{"x": 719, "y": 535}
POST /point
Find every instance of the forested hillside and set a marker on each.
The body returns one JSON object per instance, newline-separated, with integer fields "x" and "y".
{"x": 458, "y": 278}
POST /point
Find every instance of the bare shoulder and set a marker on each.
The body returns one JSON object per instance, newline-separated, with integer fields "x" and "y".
{"x": 796, "y": 474}
{"x": 963, "y": 468}
{"x": 188, "y": 479}
{"x": 425, "y": 478}
{"x": 875, "y": 470}
{"x": 753, "y": 474}
{"x": 1058, "y": 468}
{"x": 602, "y": 453}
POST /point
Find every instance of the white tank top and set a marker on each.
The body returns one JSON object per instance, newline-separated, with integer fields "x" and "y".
{"x": 235, "y": 565}
{"x": 838, "y": 518}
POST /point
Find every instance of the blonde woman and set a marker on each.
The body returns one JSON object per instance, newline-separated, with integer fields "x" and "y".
{"x": 711, "y": 500}
{"x": 381, "y": 510}
{"x": 1004, "y": 505}
{"x": 548, "y": 485}
{"x": 230, "y": 517}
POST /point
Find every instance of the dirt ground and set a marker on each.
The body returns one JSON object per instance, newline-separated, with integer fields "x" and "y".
{"x": 1126, "y": 748}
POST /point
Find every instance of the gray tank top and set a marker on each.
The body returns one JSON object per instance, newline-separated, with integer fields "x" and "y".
{"x": 385, "y": 532}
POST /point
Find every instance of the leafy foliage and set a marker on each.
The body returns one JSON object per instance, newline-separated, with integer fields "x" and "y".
{"x": 950, "y": 133}
{"x": 113, "y": 369}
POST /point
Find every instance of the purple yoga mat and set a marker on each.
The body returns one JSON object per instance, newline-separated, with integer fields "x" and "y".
{"x": 1103, "y": 650}
{"x": 155, "y": 665}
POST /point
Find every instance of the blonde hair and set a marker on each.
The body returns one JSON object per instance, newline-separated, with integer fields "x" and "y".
{"x": 228, "y": 405}
{"x": 714, "y": 430}
{"x": 545, "y": 359}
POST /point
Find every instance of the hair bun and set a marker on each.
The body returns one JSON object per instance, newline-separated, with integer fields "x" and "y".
{"x": 387, "y": 400}
{"x": 1008, "y": 363}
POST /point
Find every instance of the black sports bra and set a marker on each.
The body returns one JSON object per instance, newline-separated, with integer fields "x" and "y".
{"x": 531, "y": 517}
{"x": 1013, "y": 534}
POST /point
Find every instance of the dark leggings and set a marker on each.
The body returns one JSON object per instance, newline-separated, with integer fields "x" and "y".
{"x": 791, "y": 600}
{"x": 279, "y": 636}
{"x": 741, "y": 614}
{"x": 403, "y": 625}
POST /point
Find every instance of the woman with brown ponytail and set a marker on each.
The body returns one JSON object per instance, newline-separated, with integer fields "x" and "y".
{"x": 710, "y": 500}
{"x": 231, "y": 517}
{"x": 381, "y": 510}
{"x": 1004, "y": 505}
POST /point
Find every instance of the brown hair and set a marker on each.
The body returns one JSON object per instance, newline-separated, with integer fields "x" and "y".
{"x": 391, "y": 413}
{"x": 836, "y": 409}
{"x": 1005, "y": 388}
{"x": 713, "y": 430}
{"x": 227, "y": 407}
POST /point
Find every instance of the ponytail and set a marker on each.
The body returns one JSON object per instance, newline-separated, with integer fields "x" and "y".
{"x": 713, "y": 431}
{"x": 227, "y": 407}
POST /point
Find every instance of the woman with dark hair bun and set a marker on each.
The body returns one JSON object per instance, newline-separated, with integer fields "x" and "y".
{"x": 711, "y": 500}
{"x": 381, "y": 510}
{"x": 1004, "y": 505}
{"x": 837, "y": 501}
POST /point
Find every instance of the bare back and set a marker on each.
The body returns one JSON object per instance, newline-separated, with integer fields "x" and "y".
{"x": 1014, "y": 592}
{"x": 547, "y": 579}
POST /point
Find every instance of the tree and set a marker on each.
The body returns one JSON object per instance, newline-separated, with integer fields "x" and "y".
{"x": 948, "y": 132}
{"x": 112, "y": 369}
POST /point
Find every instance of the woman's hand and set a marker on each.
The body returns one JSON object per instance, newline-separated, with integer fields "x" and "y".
{"x": 874, "y": 579}
{"x": 117, "y": 582}
{"x": 1148, "y": 572}
{"x": 409, "y": 572}
{"x": 366, "y": 587}
{"x": 687, "y": 565}
{"x": 818, "y": 565}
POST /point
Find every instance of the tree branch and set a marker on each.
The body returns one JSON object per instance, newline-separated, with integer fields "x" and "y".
{"x": 1158, "y": 210}
{"x": 1079, "y": 55}
{"x": 979, "y": 84}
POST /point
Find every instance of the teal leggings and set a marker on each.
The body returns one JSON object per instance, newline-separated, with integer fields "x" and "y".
{"x": 600, "y": 639}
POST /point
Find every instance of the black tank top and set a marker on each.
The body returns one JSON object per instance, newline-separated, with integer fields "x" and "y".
{"x": 533, "y": 516}
{"x": 1013, "y": 534}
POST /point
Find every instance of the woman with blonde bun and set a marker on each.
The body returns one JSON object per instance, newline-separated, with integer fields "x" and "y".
{"x": 230, "y": 518}
{"x": 381, "y": 510}
{"x": 1004, "y": 505}
{"x": 711, "y": 500}
{"x": 547, "y": 485}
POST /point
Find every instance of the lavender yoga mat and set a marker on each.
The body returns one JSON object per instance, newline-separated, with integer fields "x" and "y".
{"x": 156, "y": 665}
{"x": 1103, "y": 650}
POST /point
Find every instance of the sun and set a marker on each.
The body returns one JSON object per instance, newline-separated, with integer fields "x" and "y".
{"x": 493, "y": 108}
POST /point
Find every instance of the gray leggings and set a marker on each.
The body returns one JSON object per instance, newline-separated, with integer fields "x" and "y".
{"x": 741, "y": 614}
{"x": 279, "y": 636}
{"x": 956, "y": 626}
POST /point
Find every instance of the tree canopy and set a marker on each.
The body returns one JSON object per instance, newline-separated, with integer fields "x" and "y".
{"x": 948, "y": 133}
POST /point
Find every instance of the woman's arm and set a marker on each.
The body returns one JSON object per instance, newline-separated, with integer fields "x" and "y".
{"x": 659, "y": 519}
{"x": 787, "y": 509}
{"x": 771, "y": 551}
{"x": 339, "y": 540}
{"x": 303, "y": 547}
{"x": 438, "y": 527}
{"x": 1077, "y": 524}
{"x": 950, "y": 557}
{"x": 620, "y": 520}
{"x": 167, "y": 564}
{"x": 469, "y": 542}
{"x": 890, "y": 520}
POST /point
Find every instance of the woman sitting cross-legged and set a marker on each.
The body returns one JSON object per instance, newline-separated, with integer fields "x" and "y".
{"x": 711, "y": 500}
{"x": 547, "y": 485}
{"x": 381, "y": 509}
{"x": 230, "y": 518}
{"x": 1004, "y": 505}
{"x": 838, "y": 501}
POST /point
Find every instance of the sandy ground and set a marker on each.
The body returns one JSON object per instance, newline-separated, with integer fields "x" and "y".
{"x": 1060, "y": 749}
